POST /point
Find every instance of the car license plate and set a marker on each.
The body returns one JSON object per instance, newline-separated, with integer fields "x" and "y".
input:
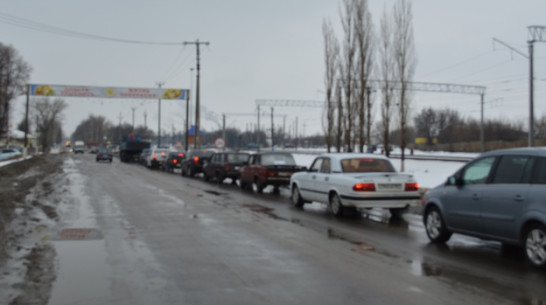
{"x": 284, "y": 174}
{"x": 389, "y": 186}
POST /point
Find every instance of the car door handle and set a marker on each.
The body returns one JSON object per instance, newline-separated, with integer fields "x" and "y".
{"x": 519, "y": 198}
{"x": 326, "y": 179}
{"x": 314, "y": 177}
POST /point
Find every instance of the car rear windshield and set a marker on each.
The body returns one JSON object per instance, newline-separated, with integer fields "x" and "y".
{"x": 237, "y": 158}
{"x": 278, "y": 159}
{"x": 366, "y": 165}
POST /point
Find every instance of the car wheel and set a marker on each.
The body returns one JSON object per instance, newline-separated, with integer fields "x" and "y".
{"x": 297, "y": 201}
{"x": 259, "y": 186}
{"x": 435, "y": 226}
{"x": 205, "y": 176}
{"x": 191, "y": 173}
{"x": 535, "y": 245}
{"x": 336, "y": 206}
{"x": 219, "y": 178}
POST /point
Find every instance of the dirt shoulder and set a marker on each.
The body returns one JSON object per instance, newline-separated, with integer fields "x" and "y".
{"x": 26, "y": 267}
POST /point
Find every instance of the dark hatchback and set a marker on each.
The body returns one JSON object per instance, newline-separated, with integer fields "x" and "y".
{"x": 501, "y": 196}
{"x": 224, "y": 165}
{"x": 193, "y": 163}
{"x": 104, "y": 155}
{"x": 174, "y": 161}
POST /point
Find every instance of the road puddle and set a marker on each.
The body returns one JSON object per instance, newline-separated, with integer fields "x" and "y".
{"x": 83, "y": 272}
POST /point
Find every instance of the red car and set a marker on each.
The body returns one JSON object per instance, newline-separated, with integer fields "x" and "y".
{"x": 268, "y": 168}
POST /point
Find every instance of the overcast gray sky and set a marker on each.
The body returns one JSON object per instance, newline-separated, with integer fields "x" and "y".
{"x": 266, "y": 50}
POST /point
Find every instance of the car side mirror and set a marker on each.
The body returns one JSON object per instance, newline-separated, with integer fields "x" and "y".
{"x": 454, "y": 180}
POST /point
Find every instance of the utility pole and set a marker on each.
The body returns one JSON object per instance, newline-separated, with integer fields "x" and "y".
{"x": 272, "y": 129}
{"x": 197, "y": 43}
{"x": 133, "y": 108}
{"x": 145, "y": 121}
{"x": 119, "y": 127}
{"x": 190, "y": 110}
{"x": 159, "y": 115}
{"x": 536, "y": 34}
{"x": 224, "y": 130}
{"x": 187, "y": 119}
{"x": 296, "y": 134}
{"x": 258, "y": 130}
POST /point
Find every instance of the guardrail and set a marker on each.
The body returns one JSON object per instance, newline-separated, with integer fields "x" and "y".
{"x": 434, "y": 157}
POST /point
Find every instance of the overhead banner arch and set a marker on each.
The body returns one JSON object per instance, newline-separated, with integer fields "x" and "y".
{"x": 48, "y": 90}
{"x": 108, "y": 92}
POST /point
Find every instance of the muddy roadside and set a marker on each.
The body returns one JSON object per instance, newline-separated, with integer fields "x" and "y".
{"x": 26, "y": 265}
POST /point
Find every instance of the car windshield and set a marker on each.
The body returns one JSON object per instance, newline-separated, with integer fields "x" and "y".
{"x": 366, "y": 165}
{"x": 278, "y": 159}
{"x": 237, "y": 158}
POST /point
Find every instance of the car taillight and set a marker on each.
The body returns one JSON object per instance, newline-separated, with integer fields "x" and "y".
{"x": 271, "y": 174}
{"x": 364, "y": 187}
{"x": 174, "y": 161}
{"x": 154, "y": 156}
{"x": 227, "y": 167}
{"x": 195, "y": 159}
{"x": 411, "y": 187}
{"x": 181, "y": 155}
{"x": 162, "y": 153}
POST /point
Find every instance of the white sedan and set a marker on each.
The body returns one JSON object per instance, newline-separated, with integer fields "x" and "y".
{"x": 350, "y": 181}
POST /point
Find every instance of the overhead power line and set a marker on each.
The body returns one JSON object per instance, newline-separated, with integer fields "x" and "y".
{"x": 42, "y": 27}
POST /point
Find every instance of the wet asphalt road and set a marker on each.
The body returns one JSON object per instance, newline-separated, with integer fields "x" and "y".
{"x": 165, "y": 239}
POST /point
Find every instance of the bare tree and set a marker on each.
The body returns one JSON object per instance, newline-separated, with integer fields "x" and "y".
{"x": 92, "y": 130}
{"x": 14, "y": 74}
{"x": 331, "y": 58}
{"x": 387, "y": 73}
{"x": 348, "y": 68}
{"x": 405, "y": 62}
{"x": 427, "y": 124}
{"x": 340, "y": 113}
{"x": 47, "y": 117}
{"x": 364, "y": 43}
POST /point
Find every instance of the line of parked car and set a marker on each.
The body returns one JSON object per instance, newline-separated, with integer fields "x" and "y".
{"x": 501, "y": 195}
